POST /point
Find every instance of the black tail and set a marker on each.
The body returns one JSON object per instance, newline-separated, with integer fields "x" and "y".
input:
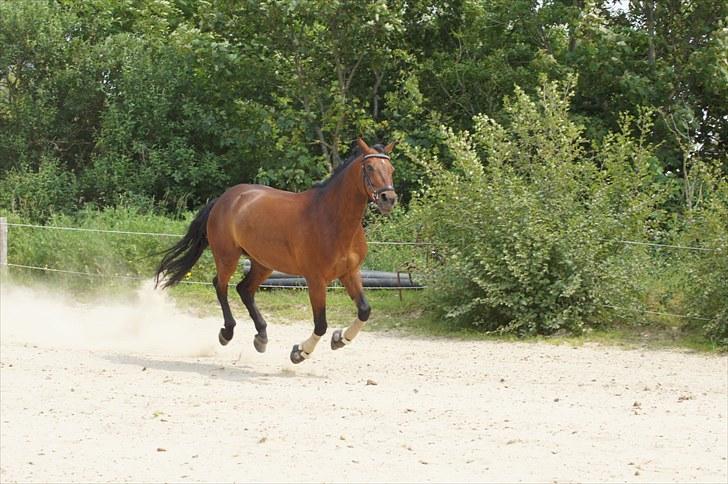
{"x": 179, "y": 259}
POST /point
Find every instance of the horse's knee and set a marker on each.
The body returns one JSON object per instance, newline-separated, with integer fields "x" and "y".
{"x": 364, "y": 310}
{"x": 320, "y": 329}
{"x": 245, "y": 295}
{"x": 221, "y": 287}
{"x": 319, "y": 323}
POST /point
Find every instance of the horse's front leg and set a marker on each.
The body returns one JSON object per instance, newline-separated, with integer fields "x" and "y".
{"x": 317, "y": 295}
{"x": 352, "y": 283}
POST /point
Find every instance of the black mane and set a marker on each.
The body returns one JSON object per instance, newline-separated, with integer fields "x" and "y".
{"x": 353, "y": 155}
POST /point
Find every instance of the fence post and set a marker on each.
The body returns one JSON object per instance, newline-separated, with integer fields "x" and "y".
{"x": 3, "y": 245}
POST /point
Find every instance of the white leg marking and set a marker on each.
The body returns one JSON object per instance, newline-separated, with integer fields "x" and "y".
{"x": 309, "y": 345}
{"x": 351, "y": 332}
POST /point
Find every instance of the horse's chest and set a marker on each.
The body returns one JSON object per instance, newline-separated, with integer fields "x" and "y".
{"x": 345, "y": 262}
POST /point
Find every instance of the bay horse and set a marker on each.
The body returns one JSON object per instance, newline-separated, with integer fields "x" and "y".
{"x": 317, "y": 234}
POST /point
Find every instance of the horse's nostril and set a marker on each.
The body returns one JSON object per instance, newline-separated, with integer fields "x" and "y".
{"x": 388, "y": 198}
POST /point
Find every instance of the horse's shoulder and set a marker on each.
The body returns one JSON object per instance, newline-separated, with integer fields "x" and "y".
{"x": 359, "y": 242}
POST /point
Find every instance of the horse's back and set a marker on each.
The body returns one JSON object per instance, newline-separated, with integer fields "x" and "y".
{"x": 242, "y": 199}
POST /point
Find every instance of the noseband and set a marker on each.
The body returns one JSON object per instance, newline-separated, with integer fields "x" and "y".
{"x": 374, "y": 194}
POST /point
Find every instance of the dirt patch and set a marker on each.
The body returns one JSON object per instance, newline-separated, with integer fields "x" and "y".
{"x": 142, "y": 392}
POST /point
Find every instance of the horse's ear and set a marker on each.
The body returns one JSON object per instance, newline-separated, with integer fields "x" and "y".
{"x": 388, "y": 149}
{"x": 363, "y": 146}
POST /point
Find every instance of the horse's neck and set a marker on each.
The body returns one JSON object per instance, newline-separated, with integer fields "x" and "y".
{"x": 343, "y": 203}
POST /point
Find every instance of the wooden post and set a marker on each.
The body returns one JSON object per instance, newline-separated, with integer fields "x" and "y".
{"x": 3, "y": 245}
{"x": 399, "y": 286}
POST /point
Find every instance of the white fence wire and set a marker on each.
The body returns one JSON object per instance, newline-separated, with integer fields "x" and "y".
{"x": 4, "y": 240}
{"x": 163, "y": 234}
{"x": 373, "y": 242}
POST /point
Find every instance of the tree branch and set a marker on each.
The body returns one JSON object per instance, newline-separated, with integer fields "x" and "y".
{"x": 378, "y": 77}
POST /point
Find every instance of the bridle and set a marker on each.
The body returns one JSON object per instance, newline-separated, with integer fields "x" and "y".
{"x": 369, "y": 186}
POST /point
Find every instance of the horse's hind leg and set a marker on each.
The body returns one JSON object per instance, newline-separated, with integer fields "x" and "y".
{"x": 246, "y": 288}
{"x": 226, "y": 263}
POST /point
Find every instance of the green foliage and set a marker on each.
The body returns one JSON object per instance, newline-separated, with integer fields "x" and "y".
{"x": 105, "y": 254}
{"x": 705, "y": 272}
{"x": 38, "y": 194}
{"x": 528, "y": 224}
{"x": 168, "y": 101}
{"x": 395, "y": 257}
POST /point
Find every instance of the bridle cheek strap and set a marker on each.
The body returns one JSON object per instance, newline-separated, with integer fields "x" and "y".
{"x": 369, "y": 186}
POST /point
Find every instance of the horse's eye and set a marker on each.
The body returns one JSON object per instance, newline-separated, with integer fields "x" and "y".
{"x": 370, "y": 168}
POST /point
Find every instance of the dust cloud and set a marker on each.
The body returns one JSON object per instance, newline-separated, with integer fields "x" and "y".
{"x": 148, "y": 322}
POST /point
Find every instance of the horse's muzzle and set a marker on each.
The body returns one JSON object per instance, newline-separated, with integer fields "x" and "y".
{"x": 386, "y": 200}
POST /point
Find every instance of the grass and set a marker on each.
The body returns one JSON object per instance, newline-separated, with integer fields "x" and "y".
{"x": 653, "y": 337}
{"x": 280, "y": 305}
{"x": 405, "y": 316}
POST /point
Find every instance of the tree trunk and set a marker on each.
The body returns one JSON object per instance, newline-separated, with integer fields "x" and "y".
{"x": 378, "y": 77}
{"x": 649, "y": 6}
{"x": 578, "y": 4}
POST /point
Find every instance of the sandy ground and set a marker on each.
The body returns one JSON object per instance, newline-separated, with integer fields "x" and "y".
{"x": 141, "y": 392}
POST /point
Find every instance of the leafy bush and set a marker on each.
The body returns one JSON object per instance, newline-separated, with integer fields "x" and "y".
{"x": 394, "y": 257}
{"x": 37, "y": 194}
{"x": 706, "y": 272}
{"x": 528, "y": 224}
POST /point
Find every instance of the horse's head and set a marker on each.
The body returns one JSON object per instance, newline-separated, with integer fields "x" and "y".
{"x": 377, "y": 173}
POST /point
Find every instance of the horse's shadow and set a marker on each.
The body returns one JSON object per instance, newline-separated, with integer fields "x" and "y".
{"x": 235, "y": 373}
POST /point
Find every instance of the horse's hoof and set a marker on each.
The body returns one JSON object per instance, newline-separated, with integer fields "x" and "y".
{"x": 297, "y": 355}
{"x": 221, "y": 337}
{"x": 260, "y": 343}
{"x": 337, "y": 340}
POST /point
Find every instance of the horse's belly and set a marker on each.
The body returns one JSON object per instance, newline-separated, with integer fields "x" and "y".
{"x": 291, "y": 259}
{"x": 275, "y": 259}
{"x": 272, "y": 248}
